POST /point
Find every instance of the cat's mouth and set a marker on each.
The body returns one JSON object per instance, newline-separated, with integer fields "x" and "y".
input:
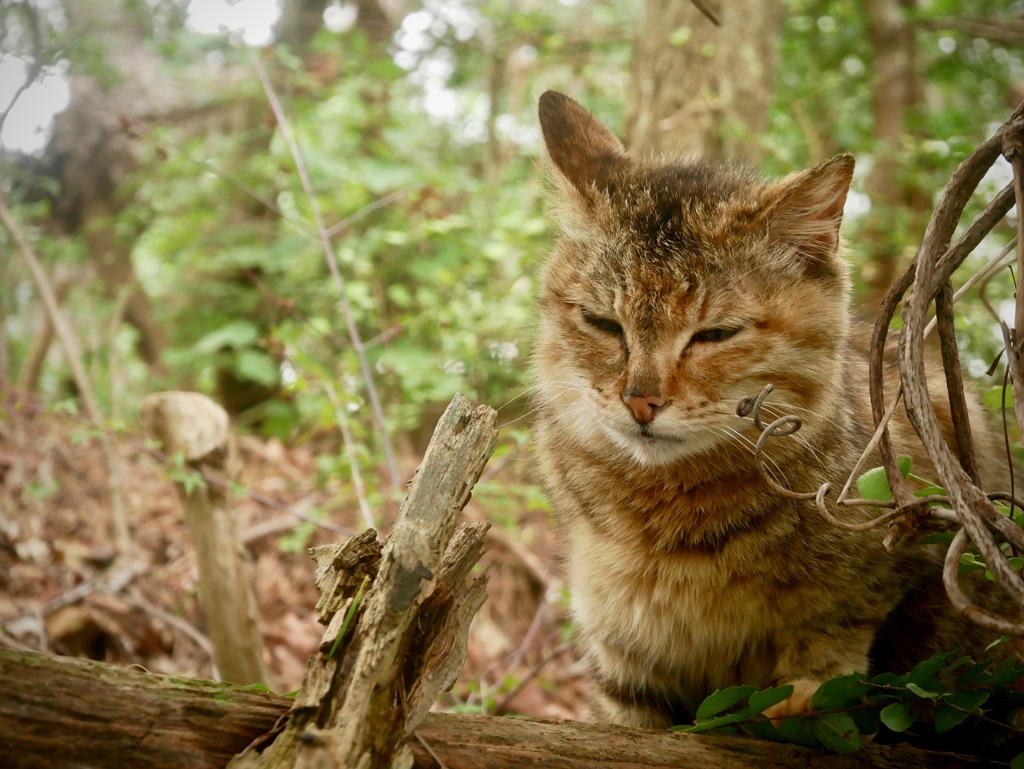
{"x": 647, "y": 436}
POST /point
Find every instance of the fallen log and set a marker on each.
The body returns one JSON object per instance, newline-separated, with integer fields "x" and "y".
{"x": 59, "y": 712}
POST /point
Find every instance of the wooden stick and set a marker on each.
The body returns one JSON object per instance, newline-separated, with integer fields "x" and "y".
{"x": 192, "y": 425}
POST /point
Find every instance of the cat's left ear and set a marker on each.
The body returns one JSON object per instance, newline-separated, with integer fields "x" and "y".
{"x": 808, "y": 209}
{"x": 580, "y": 147}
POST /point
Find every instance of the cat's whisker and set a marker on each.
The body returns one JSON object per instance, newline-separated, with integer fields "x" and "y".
{"x": 539, "y": 407}
{"x": 776, "y": 414}
{"x": 537, "y": 387}
{"x": 753, "y": 450}
{"x": 791, "y": 407}
{"x": 731, "y": 437}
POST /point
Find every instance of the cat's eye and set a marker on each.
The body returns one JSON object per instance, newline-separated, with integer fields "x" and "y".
{"x": 714, "y": 335}
{"x": 607, "y": 325}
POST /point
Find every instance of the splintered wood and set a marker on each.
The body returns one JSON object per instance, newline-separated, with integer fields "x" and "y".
{"x": 397, "y": 616}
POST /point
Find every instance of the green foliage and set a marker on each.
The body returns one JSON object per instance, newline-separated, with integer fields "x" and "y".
{"x": 178, "y": 471}
{"x": 979, "y": 697}
{"x": 440, "y": 225}
{"x": 874, "y": 485}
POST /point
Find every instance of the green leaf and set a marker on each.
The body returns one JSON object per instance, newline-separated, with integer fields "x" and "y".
{"x": 998, "y": 642}
{"x": 1017, "y": 762}
{"x": 840, "y": 692}
{"x": 921, "y": 692}
{"x": 236, "y": 334}
{"x": 761, "y": 701}
{"x": 898, "y": 717}
{"x": 868, "y": 720}
{"x": 970, "y": 562}
{"x": 968, "y": 699}
{"x": 977, "y": 674}
{"x": 762, "y": 730}
{"x": 722, "y": 700}
{"x": 937, "y": 538}
{"x": 257, "y": 366}
{"x": 946, "y": 718}
{"x": 799, "y": 730}
{"x": 712, "y": 724}
{"x": 680, "y": 36}
{"x": 837, "y": 732}
{"x": 886, "y": 679}
{"x": 993, "y": 398}
{"x": 874, "y": 485}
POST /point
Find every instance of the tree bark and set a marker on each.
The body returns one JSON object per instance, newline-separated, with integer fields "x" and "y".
{"x": 370, "y": 688}
{"x": 698, "y": 87}
{"x": 42, "y": 339}
{"x": 58, "y": 712}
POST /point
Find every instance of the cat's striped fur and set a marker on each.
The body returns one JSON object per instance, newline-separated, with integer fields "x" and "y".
{"x": 676, "y": 289}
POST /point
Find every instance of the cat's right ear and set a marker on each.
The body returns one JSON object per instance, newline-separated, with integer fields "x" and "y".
{"x": 582, "y": 150}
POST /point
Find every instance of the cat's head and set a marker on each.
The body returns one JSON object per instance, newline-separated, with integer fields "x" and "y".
{"x": 677, "y": 288}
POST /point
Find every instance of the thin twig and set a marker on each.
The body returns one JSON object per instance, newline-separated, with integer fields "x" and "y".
{"x": 353, "y": 459}
{"x": 332, "y": 263}
{"x": 176, "y": 622}
{"x": 501, "y": 706}
{"x": 35, "y": 64}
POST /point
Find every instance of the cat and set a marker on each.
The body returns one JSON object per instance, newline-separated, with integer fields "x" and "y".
{"x": 676, "y": 288}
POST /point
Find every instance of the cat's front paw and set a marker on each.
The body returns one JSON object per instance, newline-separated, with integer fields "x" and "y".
{"x": 797, "y": 704}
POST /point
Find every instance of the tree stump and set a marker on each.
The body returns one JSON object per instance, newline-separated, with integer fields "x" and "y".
{"x": 194, "y": 427}
{"x": 397, "y": 616}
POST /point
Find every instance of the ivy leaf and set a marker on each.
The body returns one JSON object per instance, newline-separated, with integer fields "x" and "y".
{"x": 715, "y": 723}
{"x": 946, "y": 718}
{"x": 761, "y": 701}
{"x": 800, "y": 731}
{"x": 970, "y": 562}
{"x": 968, "y": 699}
{"x": 898, "y": 717}
{"x": 921, "y": 692}
{"x": 998, "y": 642}
{"x": 874, "y": 485}
{"x": 868, "y": 720}
{"x": 886, "y": 679}
{"x": 977, "y": 674}
{"x": 837, "y": 732}
{"x": 722, "y": 700}
{"x": 762, "y": 730}
{"x": 236, "y": 334}
{"x": 924, "y": 671}
{"x": 840, "y": 692}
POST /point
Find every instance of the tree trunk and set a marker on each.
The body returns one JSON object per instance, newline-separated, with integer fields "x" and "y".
{"x": 698, "y": 87}
{"x": 896, "y": 92}
{"x": 92, "y": 156}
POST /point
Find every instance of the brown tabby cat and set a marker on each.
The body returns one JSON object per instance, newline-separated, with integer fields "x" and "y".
{"x": 676, "y": 289}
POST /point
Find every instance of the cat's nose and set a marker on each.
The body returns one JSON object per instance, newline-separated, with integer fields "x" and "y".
{"x": 643, "y": 406}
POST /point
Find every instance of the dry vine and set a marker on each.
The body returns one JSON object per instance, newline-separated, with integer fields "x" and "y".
{"x": 965, "y": 504}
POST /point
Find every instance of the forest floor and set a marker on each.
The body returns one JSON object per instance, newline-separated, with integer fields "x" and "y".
{"x": 63, "y": 591}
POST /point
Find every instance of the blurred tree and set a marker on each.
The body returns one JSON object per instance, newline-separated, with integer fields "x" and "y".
{"x": 702, "y": 86}
{"x": 117, "y": 86}
{"x": 897, "y": 93}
